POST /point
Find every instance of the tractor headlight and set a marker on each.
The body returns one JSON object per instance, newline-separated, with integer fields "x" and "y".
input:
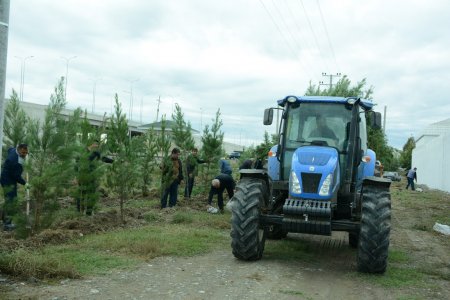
{"x": 325, "y": 189}
{"x": 295, "y": 184}
{"x": 292, "y": 99}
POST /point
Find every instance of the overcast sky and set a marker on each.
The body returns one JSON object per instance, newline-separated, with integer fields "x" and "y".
{"x": 236, "y": 56}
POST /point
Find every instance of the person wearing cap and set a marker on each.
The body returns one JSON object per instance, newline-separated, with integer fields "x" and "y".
{"x": 218, "y": 185}
{"x": 171, "y": 177}
{"x": 11, "y": 175}
{"x": 411, "y": 176}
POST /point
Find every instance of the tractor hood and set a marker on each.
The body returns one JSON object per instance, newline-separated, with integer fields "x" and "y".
{"x": 314, "y": 173}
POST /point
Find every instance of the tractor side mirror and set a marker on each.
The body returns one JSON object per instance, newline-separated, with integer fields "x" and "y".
{"x": 268, "y": 116}
{"x": 375, "y": 120}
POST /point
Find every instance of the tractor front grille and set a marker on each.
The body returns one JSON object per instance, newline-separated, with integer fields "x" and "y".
{"x": 310, "y": 182}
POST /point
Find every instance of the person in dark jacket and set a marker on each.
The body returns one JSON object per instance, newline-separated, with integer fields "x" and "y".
{"x": 87, "y": 178}
{"x": 10, "y": 176}
{"x": 171, "y": 177}
{"x": 192, "y": 163}
{"x": 219, "y": 184}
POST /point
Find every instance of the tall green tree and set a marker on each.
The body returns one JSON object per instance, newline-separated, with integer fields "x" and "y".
{"x": 212, "y": 141}
{"x": 343, "y": 88}
{"x": 88, "y": 169}
{"x": 51, "y": 152}
{"x": 15, "y": 122}
{"x": 182, "y": 136}
{"x": 147, "y": 148}
{"x": 163, "y": 143}
{"x": 123, "y": 175}
{"x": 182, "y": 131}
{"x": 377, "y": 142}
{"x": 406, "y": 156}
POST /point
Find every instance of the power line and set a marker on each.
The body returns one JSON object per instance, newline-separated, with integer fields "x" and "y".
{"x": 313, "y": 33}
{"x": 278, "y": 28}
{"x": 328, "y": 36}
{"x": 306, "y": 69}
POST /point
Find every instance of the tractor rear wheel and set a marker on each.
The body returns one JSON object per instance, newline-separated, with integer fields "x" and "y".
{"x": 375, "y": 229}
{"x": 248, "y": 236}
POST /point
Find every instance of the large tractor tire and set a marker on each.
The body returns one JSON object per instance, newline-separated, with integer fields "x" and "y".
{"x": 248, "y": 236}
{"x": 373, "y": 244}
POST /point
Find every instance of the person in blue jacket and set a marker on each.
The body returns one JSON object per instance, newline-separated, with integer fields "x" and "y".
{"x": 10, "y": 176}
{"x": 225, "y": 167}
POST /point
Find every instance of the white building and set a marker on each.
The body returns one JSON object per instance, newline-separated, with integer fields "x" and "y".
{"x": 431, "y": 156}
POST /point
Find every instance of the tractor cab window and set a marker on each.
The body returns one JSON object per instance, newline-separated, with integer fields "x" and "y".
{"x": 322, "y": 124}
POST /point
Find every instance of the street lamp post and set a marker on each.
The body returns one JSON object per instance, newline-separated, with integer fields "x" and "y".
{"x": 22, "y": 74}
{"x": 94, "y": 89}
{"x": 67, "y": 59}
{"x": 131, "y": 96}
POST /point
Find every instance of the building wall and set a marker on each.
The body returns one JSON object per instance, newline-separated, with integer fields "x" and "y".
{"x": 432, "y": 160}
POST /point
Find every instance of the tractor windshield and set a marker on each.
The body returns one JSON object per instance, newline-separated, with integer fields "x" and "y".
{"x": 321, "y": 124}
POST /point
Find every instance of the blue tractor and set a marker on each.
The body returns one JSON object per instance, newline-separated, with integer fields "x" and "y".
{"x": 319, "y": 178}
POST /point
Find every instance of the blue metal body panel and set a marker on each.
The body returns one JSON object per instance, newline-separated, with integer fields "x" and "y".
{"x": 316, "y": 160}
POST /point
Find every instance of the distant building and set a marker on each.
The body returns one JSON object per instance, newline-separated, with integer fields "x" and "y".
{"x": 37, "y": 112}
{"x": 432, "y": 156}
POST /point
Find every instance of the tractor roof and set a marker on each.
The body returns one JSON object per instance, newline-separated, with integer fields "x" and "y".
{"x": 365, "y": 104}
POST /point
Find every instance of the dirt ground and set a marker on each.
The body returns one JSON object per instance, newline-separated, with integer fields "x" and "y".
{"x": 218, "y": 275}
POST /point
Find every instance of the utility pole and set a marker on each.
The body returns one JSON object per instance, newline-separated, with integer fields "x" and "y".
{"x": 384, "y": 119}
{"x": 330, "y": 84}
{"x": 4, "y": 24}
{"x": 157, "y": 110}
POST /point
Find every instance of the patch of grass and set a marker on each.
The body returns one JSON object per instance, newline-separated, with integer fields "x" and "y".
{"x": 218, "y": 221}
{"x": 152, "y": 216}
{"x": 25, "y": 264}
{"x": 182, "y": 218}
{"x": 396, "y": 277}
{"x": 94, "y": 254}
{"x": 153, "y": 241}
{"x": 397, "y": 256}
{"x": 141, "y": 203}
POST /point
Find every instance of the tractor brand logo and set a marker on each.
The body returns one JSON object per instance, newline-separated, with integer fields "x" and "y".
{"x": 311, "y": 168}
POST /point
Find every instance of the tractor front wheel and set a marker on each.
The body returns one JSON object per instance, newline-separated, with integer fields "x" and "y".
{"x": 248, "y": 236}
{"x": 373, "y": 244}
